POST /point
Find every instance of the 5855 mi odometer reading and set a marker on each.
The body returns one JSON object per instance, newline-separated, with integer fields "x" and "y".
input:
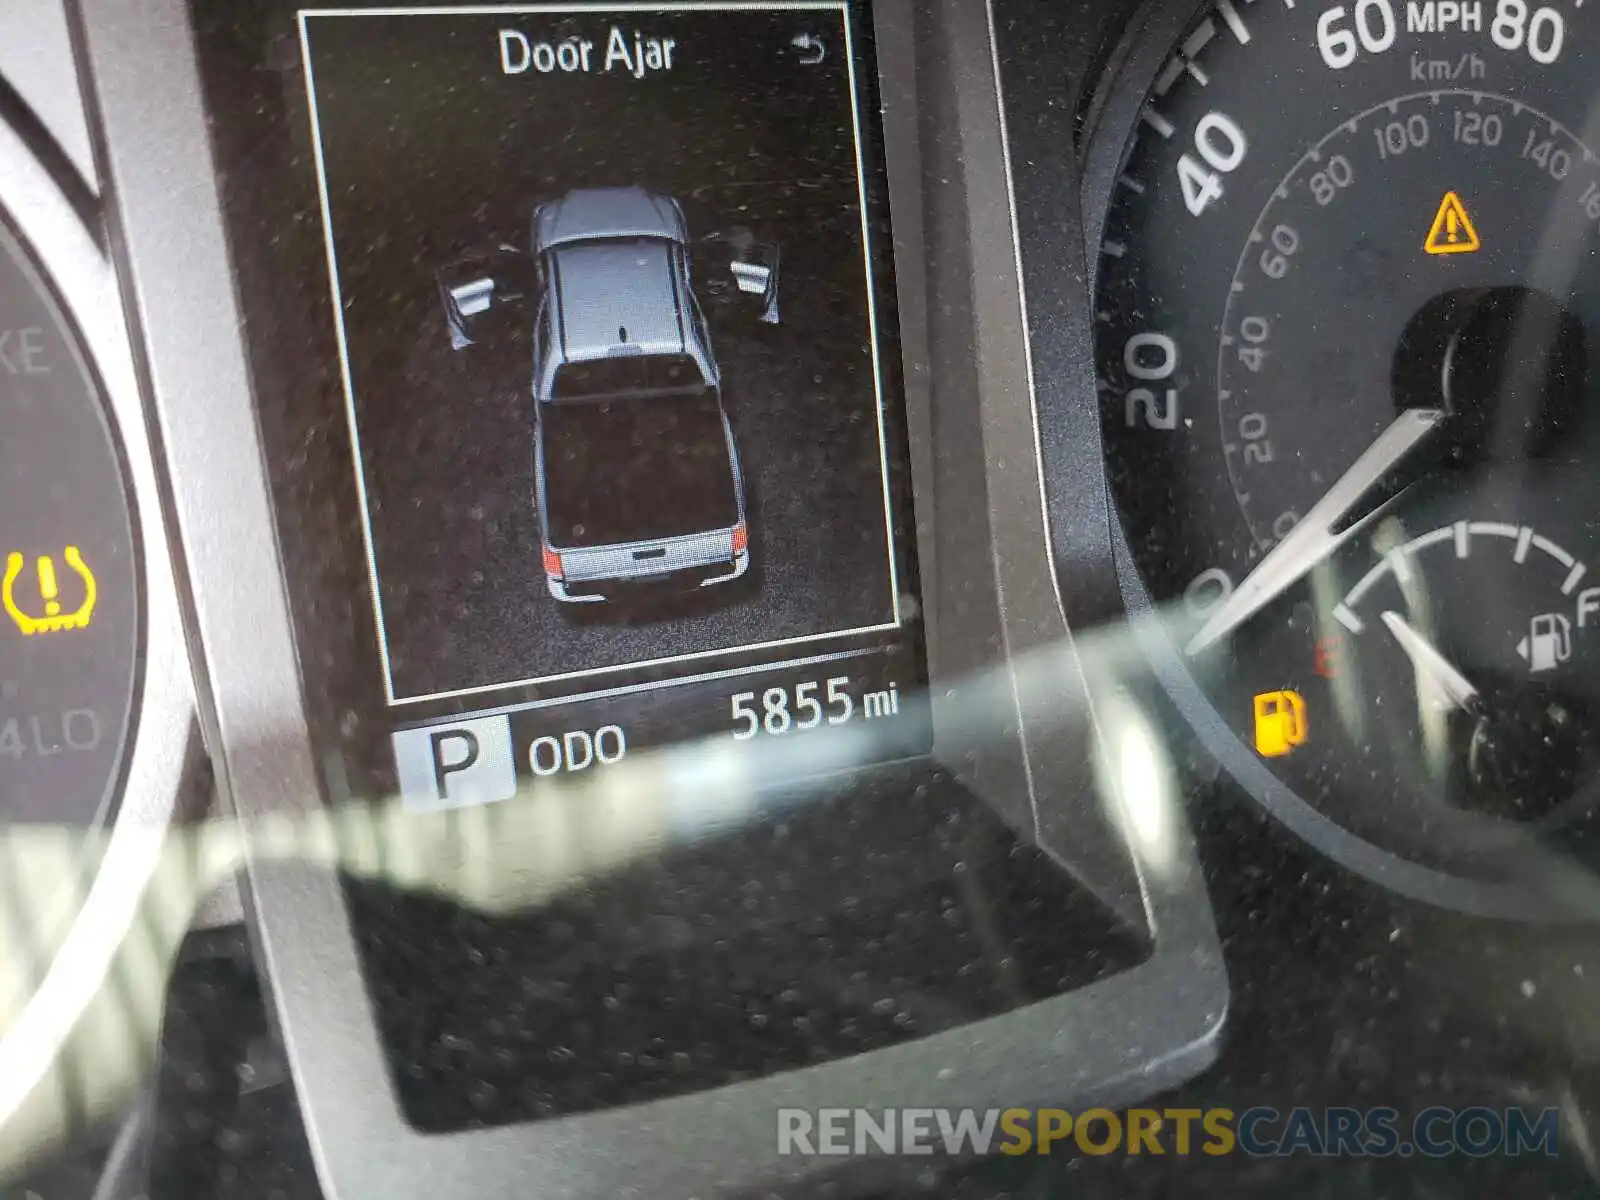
{"x": 1347, "y": 320}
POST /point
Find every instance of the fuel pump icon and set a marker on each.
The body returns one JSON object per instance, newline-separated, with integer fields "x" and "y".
{"x": 1280, "y": 723}
{"x": 1548, "y": 644}
{"x": 51, "y": 618}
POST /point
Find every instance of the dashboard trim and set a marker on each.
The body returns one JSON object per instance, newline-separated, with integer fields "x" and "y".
{"x": 85, "y": 284}
{"x": 1113, "y": 1041}
{"x": 36, "y": 60}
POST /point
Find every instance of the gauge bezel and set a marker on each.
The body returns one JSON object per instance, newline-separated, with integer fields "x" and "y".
{"x": 82, "y": 284}
{"x": 1124, "y": 1036}
{"x": 1144, "y": 50}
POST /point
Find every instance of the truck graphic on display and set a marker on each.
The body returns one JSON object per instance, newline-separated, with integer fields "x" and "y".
{"x": 637, "y": 472}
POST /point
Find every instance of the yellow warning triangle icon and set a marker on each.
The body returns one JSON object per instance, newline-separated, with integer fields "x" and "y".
{"x": 1452, "y": 231}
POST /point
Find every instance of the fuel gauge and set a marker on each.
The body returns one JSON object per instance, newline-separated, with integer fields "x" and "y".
{"x": 1470, "y": 638}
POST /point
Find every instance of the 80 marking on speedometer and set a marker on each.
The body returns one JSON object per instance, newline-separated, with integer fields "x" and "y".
{"x": 1369, "y": 27}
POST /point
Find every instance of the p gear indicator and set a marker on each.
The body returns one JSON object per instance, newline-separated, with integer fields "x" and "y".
{"x": 1452, "y": 231}
{"x": 51, "y": 618}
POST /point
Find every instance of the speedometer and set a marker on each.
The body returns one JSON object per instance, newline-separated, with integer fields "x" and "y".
{"x": 1347, "y": 318}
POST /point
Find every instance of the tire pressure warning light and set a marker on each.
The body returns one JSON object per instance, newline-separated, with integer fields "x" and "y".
{"x": 52, "y": 619}
{"x": 1280, "y": 723}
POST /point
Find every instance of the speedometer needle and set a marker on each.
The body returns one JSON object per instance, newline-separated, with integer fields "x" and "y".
{"x": 1432, "y": 666}
{"x": 1314, "y": 538}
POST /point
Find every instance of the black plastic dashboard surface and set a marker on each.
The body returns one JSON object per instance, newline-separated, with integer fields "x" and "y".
{"x": 967, "y": 947}
{"x": 872, "y": 915}
{"x": 851, "y": 916}
{"x": 1342, "y": 993}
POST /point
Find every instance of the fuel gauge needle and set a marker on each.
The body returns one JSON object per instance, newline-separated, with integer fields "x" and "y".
{"x": 1314, "y": 538}
{"x": 1450, "y": 684}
